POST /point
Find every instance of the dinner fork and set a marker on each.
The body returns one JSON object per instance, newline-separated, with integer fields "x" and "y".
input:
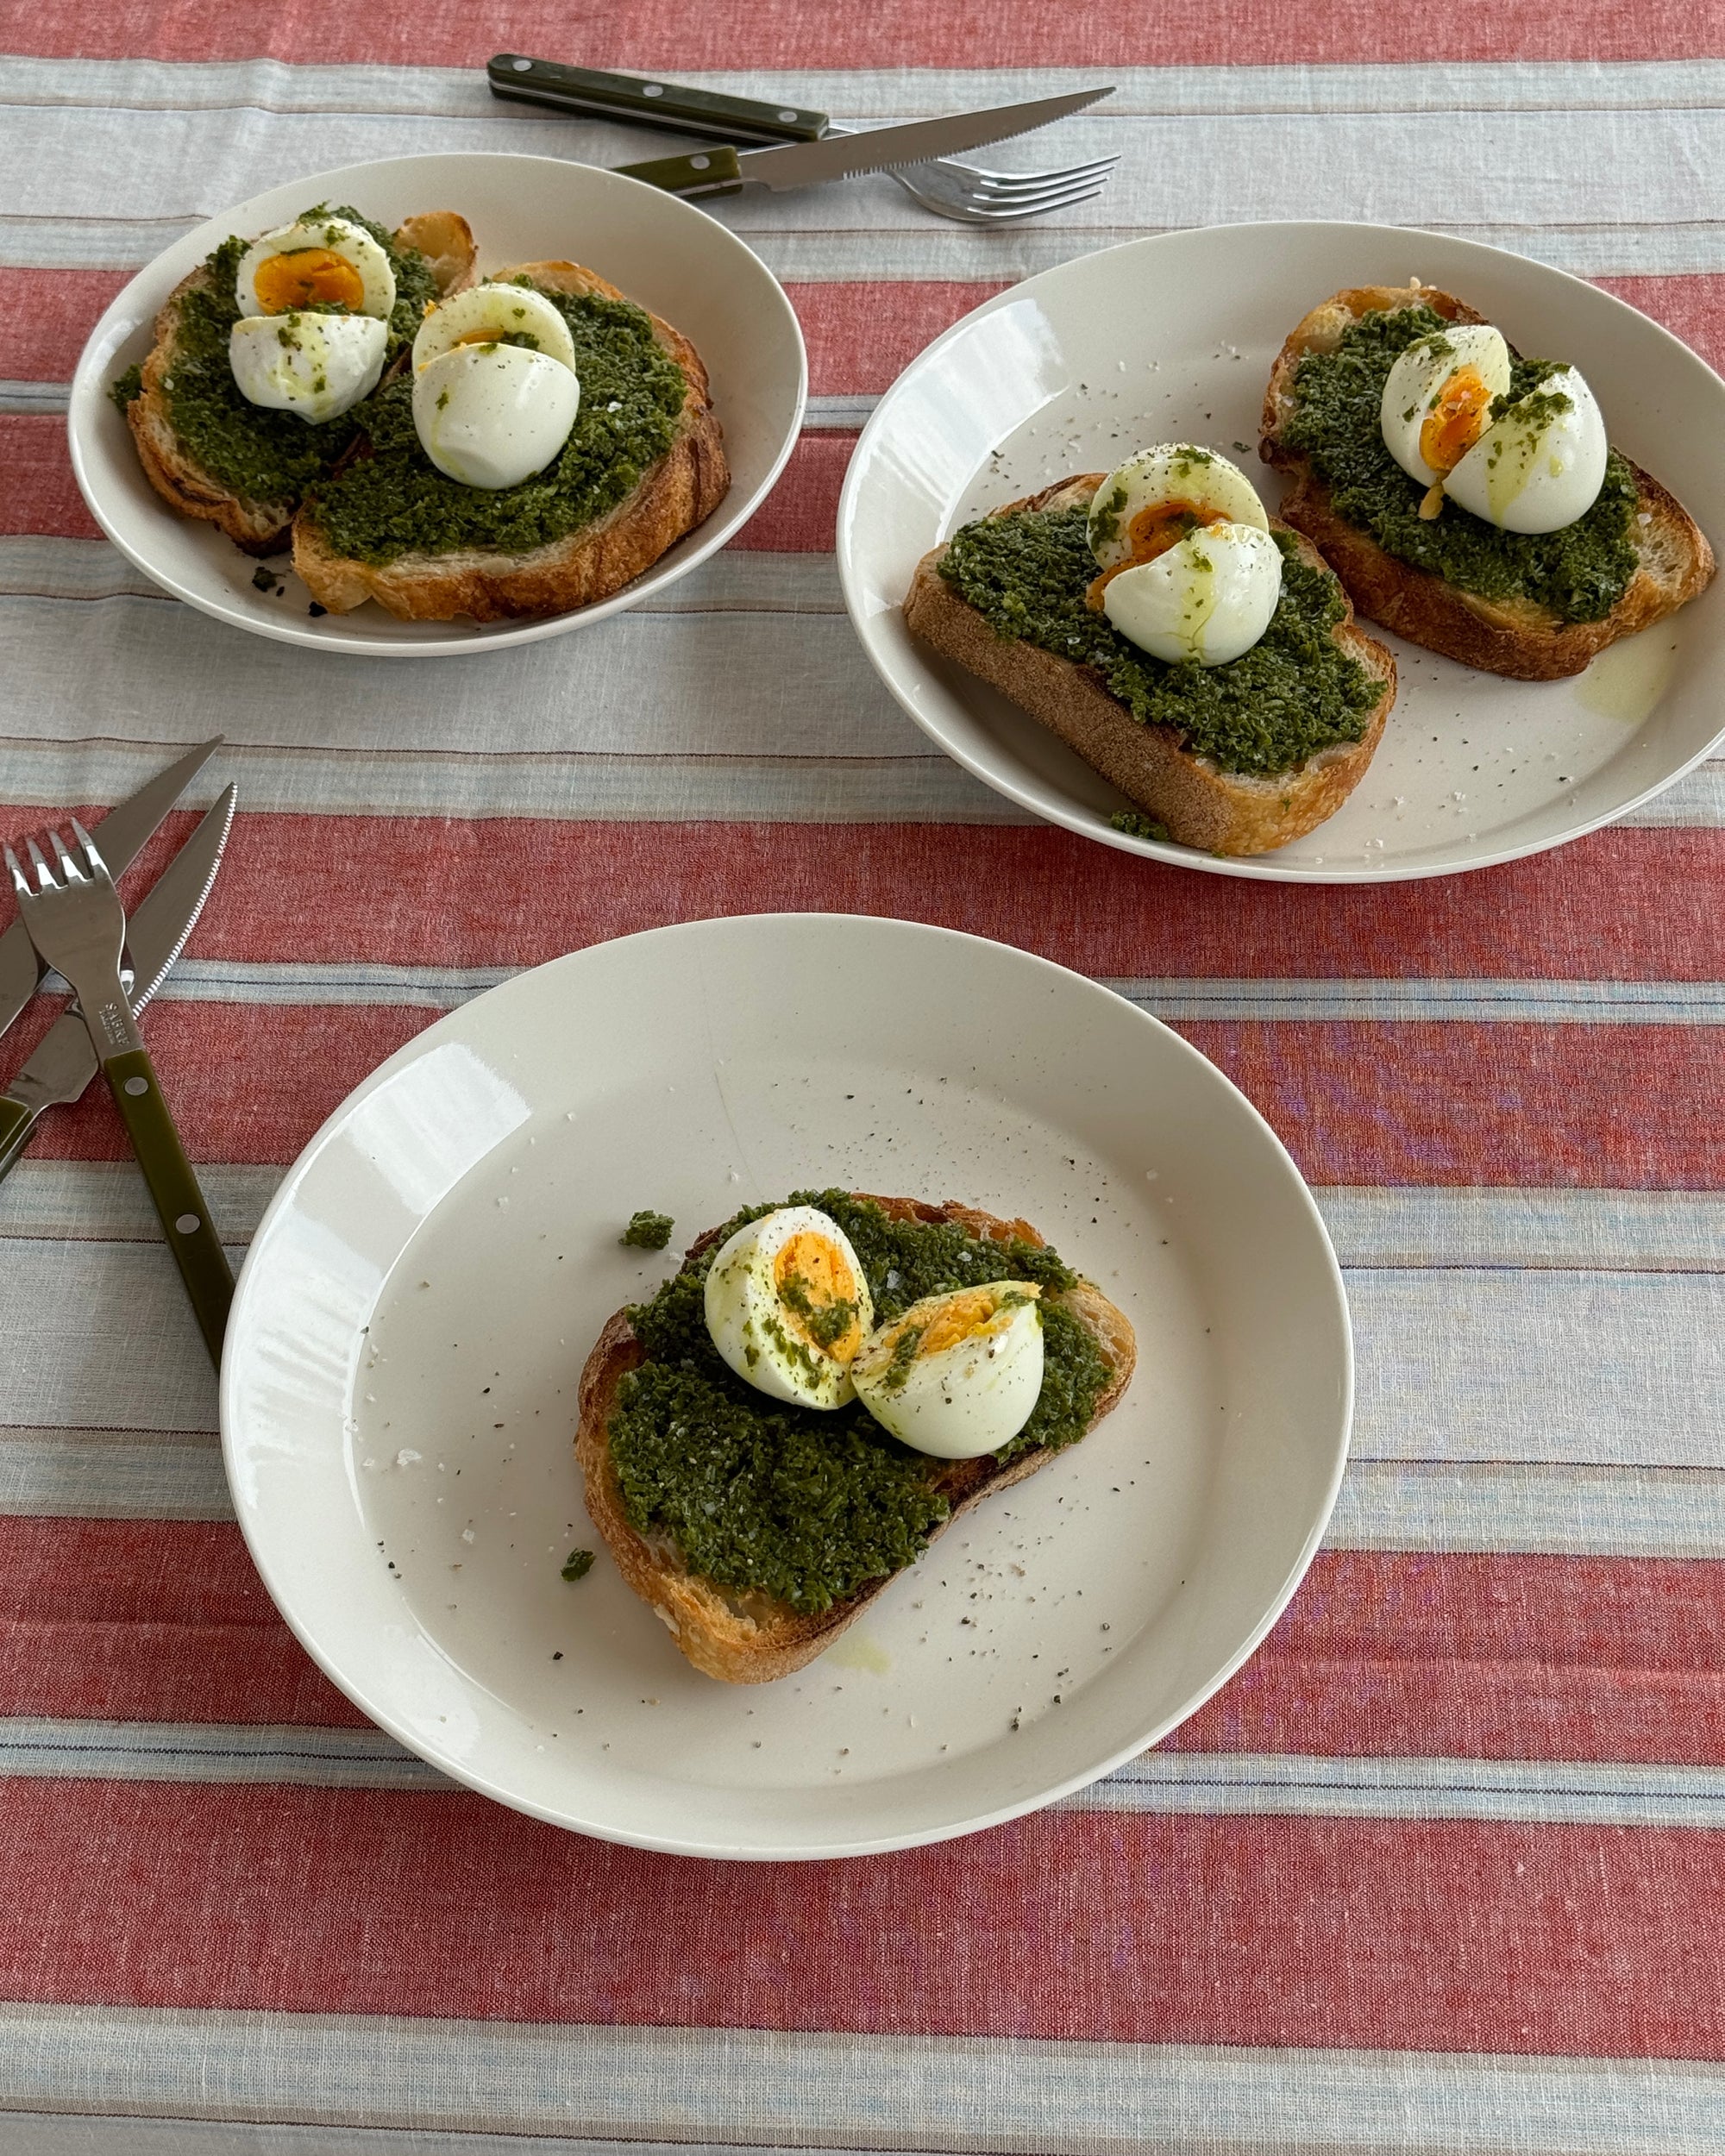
{"x": 969, "y": 194}
{"x": 78, "y": 927}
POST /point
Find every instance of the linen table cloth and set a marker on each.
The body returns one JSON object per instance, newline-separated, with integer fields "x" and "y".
{"x": 1444, "y": 1868}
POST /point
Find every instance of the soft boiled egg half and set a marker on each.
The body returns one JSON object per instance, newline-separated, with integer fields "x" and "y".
{"x": 1536, "y": 467}
{"x": 287, "y": 354}
{"x": 495, "y": 390}
{"x": 1189, "y": 570}
{"x": 788, "y": 1307}
{"x": 959, "y": 1374}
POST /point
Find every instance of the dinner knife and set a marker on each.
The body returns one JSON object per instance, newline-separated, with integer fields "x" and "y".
{"x": 726, "y": 170}
{"x": 156, "y": 932}
{"x": 124, "y": 833}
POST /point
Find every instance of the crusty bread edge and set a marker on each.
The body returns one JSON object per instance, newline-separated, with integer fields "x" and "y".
{"x": 1201, "y": 805}
{"x": 719, "y": 1632}
{"x": 1516, "y": 639}
{"x": 679, "y": 493}
{"x": 260, "y": 528}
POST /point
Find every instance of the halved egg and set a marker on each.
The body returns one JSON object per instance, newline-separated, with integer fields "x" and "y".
{"x": 492, "y": 314}
{"x": 959, "y": 1374}
{"x": 1542, "y": 464}
{"x": 495, "y": 390}
{"x": 1159, "y": 496}
{"x": 1189, "y": 570}
{"x": 1437, "y": 400}
{"x": 317, "y": 262}
{"x": 787, "y": 1306}
{"x": 317, "y": 365}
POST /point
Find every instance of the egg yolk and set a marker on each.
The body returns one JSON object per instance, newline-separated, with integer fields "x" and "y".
{"x": 818, "y": 1289}
{"x": 1151, "y": 533}
{"x": 1456, "y": 420}
{"x": 962, "y": 1318}
{"x": 310, "y": 277}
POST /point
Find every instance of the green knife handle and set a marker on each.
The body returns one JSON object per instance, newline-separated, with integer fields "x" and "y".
{"x": 179, "y": 1203}
{"x": 16, "y": 1122}
{"x": 713, "y": 171}
{"x": 655, "y": 103}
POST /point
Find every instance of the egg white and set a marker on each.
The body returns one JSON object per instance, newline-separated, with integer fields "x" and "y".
{"x": 490, "y": 416}
{"x": 750, "y": 1316}
{"x": 1535, "y": 469}
{"x": 338, "y": 237}
{"x": 972, "y": 1378}
{"x": 1205, "y": 601}
{"x": 317, "y": 365}
{"x": 1417, "y": 381}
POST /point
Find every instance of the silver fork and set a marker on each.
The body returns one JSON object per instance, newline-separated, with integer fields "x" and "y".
{"x": 973, "y": 194}
{"x": 78, "y": 927}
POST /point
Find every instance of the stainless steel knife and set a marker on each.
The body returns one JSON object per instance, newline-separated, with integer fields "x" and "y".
{"x": 123, "y": 833}
{"x": 725, "y": 170}
{"x": 156, "y": 932}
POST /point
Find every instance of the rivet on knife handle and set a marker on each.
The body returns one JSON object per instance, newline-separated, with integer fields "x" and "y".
{"x": 645, "y": 97}
{"x": 713, "y": 171}
{"x": 179, "y": 1203}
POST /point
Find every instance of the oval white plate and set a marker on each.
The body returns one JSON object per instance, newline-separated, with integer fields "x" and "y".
{"x": 667, "y": 254}
{"x": 398, "y": 1389}
{"x": 1172, "y": 338}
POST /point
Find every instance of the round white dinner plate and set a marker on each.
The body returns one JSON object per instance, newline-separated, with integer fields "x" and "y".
{"x": 399, "y": 1381}
{"x": 1171, "y": 339}
{"x": 663, "y": 253}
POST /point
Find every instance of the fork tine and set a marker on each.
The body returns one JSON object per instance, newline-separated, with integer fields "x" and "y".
{"x": 1030, "y": 183}
{"x": 98, "y": 866}
{"x": 69, "y": 868}
{"x": 1001, "y": 213}
{"x": 45, "y": 880}
{"x": 20, "y": 881}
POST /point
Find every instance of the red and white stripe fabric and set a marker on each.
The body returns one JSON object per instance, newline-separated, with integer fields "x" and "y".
{"x": 1444, "y": 1868}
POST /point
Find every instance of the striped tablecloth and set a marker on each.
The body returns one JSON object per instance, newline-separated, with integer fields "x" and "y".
{"x": 1443, "y": 1869}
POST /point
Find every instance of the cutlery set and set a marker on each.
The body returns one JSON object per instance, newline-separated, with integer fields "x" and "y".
{"x": 811, "y": 148}
{"x": 71, "y": 923}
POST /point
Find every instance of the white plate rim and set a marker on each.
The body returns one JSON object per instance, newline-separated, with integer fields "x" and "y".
{"x": 88, "y": 391}
{"x": 326, "y": 1660}
{"x": 1261, "y": 867}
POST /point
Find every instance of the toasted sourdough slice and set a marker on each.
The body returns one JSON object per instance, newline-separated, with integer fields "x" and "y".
{"x": 1199, "y": 804}
{"x": 1517, "y": 636}
{"x": 747, "y": 1638}
{"x": 440, "y": 235}
{"x": 675, "y": 494}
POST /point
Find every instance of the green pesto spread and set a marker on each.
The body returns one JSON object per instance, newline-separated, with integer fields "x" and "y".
{"x": 1136, "y": 825}
{"x": 1578, "y": 572}
{"x": 396, "y": 501}
{"x": 578, "y": 1564}
{"x": 1294, "y": 693}
{"x": 800, "y": 1504}
{"x": 647, "y": 1230}
{"x": 259, "y": 455}
{"x": 127, "y": 386}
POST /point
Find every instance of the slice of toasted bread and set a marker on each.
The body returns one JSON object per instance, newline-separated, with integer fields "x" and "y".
{"x": 1516, "y": 637}
{"x": 678, "y": 493}
{"x": 749, "y": 1638}
{"x": 1198, "y": 802}
{"x": 256, "y": 527}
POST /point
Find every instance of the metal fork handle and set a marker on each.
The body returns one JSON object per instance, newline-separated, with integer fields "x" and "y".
{"x": 16, "y": 1122}
{"x": 179, "y": 1202}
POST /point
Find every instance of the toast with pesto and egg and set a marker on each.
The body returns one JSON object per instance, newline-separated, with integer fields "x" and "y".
{"x": 641, "y": 463}
{"x": 208, "y": 447}
{"x": 758, "y": 1524}
{"x": 1467, "y": 496}
{"x": 1235, "y": 747}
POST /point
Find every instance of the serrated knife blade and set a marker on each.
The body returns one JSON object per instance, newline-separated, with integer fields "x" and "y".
{"x": 913, "y": 142}
{"x": 156, "y": 932}
{"x": 123, "y": 833}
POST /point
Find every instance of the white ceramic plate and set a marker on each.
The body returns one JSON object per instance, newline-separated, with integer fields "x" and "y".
{"x": 669, "y": 256}
{"x": 1172, "y": 338}
{"x": 398, "y": 1389}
